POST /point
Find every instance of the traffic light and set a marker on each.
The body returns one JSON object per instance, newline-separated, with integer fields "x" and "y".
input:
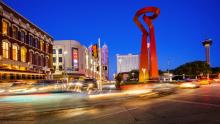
{"x": 95, "y": 51}
{"x": 104, "y": 68}
{"x": 97, "y": 68}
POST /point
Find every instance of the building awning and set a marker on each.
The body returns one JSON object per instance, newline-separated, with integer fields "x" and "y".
{"x": 13, "y": 62}
{"x": 19, "y": 72}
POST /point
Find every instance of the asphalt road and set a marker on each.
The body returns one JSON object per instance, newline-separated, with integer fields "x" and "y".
{"x": 188, "y": 106}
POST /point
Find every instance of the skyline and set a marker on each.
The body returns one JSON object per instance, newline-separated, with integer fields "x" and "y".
{"x": 168, "y": 28}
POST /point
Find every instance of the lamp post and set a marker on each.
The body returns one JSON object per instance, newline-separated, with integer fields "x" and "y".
{"x": 132, "y": 75}
{"x": 144, "y": 71}
{"x": 64, "y": 62}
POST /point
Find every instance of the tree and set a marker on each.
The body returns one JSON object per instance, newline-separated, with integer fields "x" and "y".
{"x": 134, "y": 75}
{"x": 216, "y": 70}
{"x": 193, "y": 68}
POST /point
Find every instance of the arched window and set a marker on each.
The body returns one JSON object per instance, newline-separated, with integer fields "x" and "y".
{"x": 15, "y": 32}
{"x": 5, "y": 28}
{"x": 5, "y": 49}
{"x": 39, "y": 60}
{"x": 36, "y": 59}
{"x": 42, "y": 60}
{"x": 31, "y": 40}
{"x": 46, "y": 61}
{"x": 31, "y": 57}
{"x": 41, "y": 45}
{"x": 23, "y": 54}
{"x": 22, "y": 36}
{"x": 36, "y": 43}
{"x": 14, "y": 52}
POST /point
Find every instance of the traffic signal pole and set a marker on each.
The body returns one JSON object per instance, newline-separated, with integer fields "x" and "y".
{"x": 100, "y": 64}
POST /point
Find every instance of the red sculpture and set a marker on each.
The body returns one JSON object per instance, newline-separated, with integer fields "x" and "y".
{"x": 148, "y": 66}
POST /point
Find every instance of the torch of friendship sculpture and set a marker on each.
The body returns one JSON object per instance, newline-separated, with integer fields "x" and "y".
{"x": 148, "y": 64}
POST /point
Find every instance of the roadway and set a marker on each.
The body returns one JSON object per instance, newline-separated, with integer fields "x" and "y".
{"x": 187, "y": 106}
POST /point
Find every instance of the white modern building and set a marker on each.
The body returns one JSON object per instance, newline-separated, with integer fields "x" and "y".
{"x": 126, "y": 63}
{"x": 68, "y": 58}
{"x": 75, "y": 60}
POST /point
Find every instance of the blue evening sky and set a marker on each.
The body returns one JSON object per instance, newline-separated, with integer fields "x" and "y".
{"x": 180, "y": 28}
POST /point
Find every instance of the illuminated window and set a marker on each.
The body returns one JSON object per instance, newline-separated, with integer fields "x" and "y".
{"x": 47, "y": 48}
{"x": 14, "y": 52}
{"x": 22, "y": 36}
{"x": 60, "y": 67}
{"x": 5, "y": 50}
{"x": 60, "y": 59}
{"x": 54, "y": 59}
{"x": 54, "y": 51}
{"x": 41, "y": 45}
{"x": 5, "y": 28}
{"x": 23, "y": 54}
{"x": 15, "y": 32}
{"x": 60, "y": 51}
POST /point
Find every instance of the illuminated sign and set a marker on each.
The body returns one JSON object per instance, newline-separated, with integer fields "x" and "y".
{"x": 75, "y": 59}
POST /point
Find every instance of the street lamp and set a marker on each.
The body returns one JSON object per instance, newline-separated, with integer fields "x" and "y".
{"x": 64, "y": 54}
{"x": 133, "y": 75}
{"x": 144, "y": 71}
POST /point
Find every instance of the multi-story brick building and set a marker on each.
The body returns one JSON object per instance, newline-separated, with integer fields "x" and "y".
{"x": 25, "y": 49}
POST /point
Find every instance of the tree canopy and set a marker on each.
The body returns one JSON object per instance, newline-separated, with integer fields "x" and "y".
{"x": 193, "y": 68}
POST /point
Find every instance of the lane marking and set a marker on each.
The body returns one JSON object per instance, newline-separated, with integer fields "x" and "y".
{"x": 191, "y": 102}
{"x": 199, "y": 95}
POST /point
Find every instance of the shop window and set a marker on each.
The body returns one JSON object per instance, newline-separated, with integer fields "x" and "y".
{"x": 4, "y": 76}
{"x": 18, "y": 76}
{"x": 23, "y": 76}
{"x": 12, "y": 77}
{"x": 29, "y": 76}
